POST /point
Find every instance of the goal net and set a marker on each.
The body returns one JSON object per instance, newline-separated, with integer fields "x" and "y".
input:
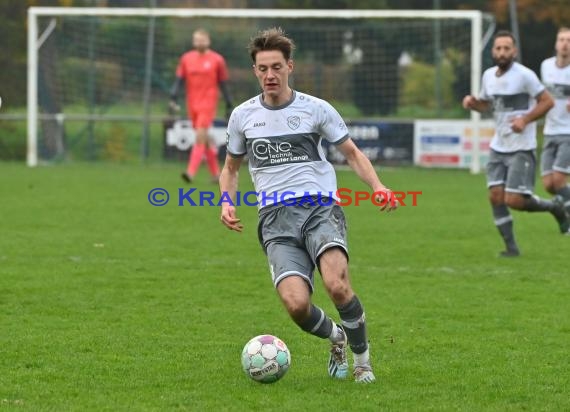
{"x": 99, "y": 78}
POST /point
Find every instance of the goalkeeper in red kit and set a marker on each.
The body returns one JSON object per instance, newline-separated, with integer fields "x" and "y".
{"x": 202, "y": 71}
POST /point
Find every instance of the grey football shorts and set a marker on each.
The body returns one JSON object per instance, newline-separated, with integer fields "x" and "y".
{"x": 293, "y": 237}
{"x": 555, "y": 155}
{"x": 513, "y": 170}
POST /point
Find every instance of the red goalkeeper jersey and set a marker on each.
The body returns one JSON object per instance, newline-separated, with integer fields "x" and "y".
{"x": 202, "y": 73}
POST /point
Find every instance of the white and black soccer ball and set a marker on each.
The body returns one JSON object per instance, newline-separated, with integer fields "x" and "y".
{"x": 265, "y": 359}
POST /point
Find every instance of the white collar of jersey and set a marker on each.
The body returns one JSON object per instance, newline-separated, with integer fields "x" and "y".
{"x": 284, "y": 105}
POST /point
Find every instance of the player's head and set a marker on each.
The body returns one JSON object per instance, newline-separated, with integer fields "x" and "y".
{"x": 201, "y": 40}
{"x": 271, "y": 53}
{"x": 562, "y": 45}
{"x": 504, "y": 49}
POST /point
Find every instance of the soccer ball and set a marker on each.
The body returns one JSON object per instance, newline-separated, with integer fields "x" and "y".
{"x": 265, "y": 358}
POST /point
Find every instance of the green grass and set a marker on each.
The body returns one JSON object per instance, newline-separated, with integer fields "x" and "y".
{"x": 110, "y": 304}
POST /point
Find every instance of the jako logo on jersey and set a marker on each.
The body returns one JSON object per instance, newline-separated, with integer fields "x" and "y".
{"x": 258, "y": 124}
{"x": 263, "y": 149}
{"x": 294, "y": 122}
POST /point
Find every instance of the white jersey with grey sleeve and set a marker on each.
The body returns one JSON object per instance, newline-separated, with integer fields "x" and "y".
{"x": 283, "y": 145}
{"x": 557, "y": 82}
{"x": 512, "y": 95}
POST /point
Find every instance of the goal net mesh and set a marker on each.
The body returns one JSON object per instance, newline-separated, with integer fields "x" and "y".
{"x": 92, "y": 72}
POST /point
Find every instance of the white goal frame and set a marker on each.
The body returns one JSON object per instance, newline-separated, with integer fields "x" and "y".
{"x": 34, "y": 43}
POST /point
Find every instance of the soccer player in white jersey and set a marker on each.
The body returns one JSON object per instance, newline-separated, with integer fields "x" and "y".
{"x": 300, "y": 225}
{"x": 555, "y": 160}
{"x": 517, "y": 99}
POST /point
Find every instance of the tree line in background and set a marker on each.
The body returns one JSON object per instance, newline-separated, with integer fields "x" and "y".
{"x": 538, "y": 23}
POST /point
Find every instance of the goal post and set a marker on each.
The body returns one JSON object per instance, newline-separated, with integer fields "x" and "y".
{"x": 83, "y": 64}
{"x": 476, "y": 64}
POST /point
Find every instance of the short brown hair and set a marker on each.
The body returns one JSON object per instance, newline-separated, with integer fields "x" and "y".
{"x": 504, "y": 33}
{"x": 271, "y": 39}
{"x": 563, "y": 29}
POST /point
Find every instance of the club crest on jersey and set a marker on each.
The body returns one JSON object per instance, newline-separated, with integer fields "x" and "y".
{"x": 293, "y": 122}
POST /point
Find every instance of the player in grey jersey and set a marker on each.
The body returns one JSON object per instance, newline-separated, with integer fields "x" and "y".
{"x": 281, "y": 131}
{"x": 518, "y": 99}
{"x": 555, "y": 160}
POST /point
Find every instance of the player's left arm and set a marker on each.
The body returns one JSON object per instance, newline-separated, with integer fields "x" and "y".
{"x": 544, "y": 103}
{"x": 364, "y": 169}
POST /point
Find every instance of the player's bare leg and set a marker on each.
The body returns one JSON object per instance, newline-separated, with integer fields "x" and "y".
{"x": 533, "y": 203}
{"x": 295, "y": 295}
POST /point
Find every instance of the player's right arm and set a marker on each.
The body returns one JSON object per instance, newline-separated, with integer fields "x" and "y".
{"x": 228, "y": 189}
{"x": 236, "y": 150}
{"x": 470, "y": 102}
{"x": 174, "y": 90}
{"x": 177, "y": 85}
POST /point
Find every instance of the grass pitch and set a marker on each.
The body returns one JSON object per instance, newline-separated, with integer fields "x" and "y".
{"x": 110, "y": 304}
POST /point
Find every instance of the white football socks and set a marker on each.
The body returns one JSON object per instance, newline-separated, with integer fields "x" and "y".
{"x": 362, "y": 359}
{"x": 336, "y": 334}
